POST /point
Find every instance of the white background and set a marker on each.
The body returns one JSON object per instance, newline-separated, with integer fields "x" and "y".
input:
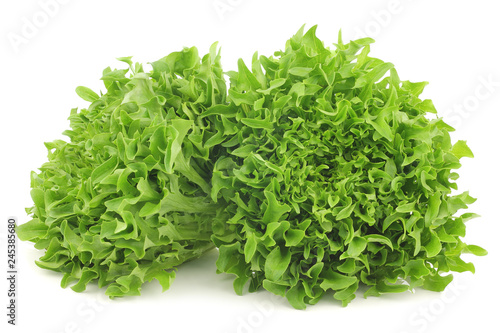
{"x": 452, "y": 44}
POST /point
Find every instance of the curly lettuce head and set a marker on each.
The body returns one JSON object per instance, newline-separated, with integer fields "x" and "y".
{"x": 127, "y": 198}
{"x": 335, "y": 174}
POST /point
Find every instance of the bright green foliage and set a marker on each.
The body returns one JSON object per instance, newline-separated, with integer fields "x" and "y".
{"x": 128, "y": 197}
{"x": 322, "y": 172}
{"x": 335, "y": 174}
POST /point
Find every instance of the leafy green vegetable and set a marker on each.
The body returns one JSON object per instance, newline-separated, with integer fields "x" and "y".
{"x": 322, "y": 171}
{"x": 127, "y": 199}
{"x": 334, "y": 175}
